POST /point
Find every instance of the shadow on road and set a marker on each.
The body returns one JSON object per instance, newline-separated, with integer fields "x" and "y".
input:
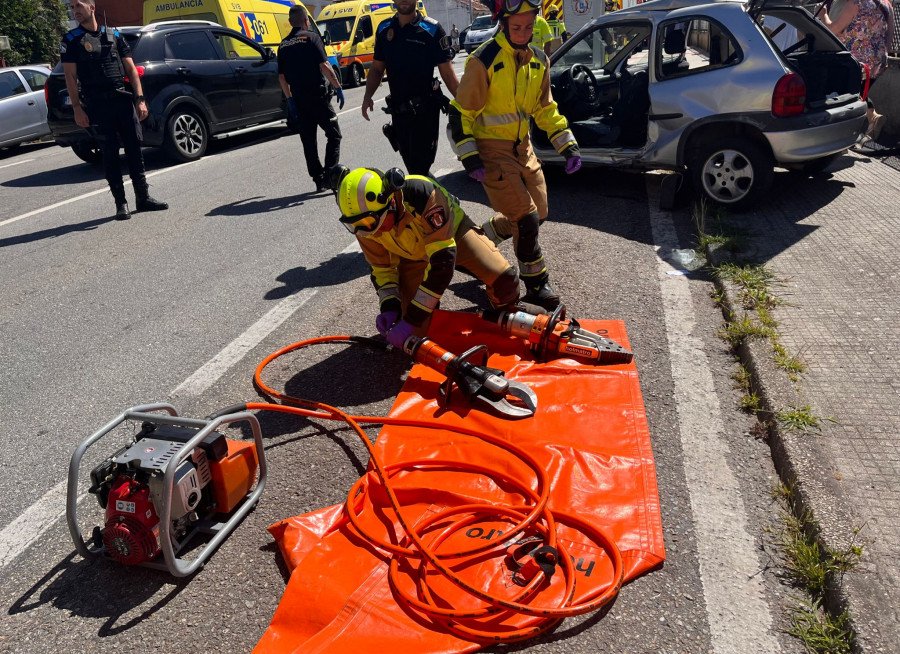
{"x": 337, "y": 270}
{"x": 24, "y": 148}
{"x": 255, "y": 205}
{"x": 67, "y": 586}
{"x": 62, "y": 230}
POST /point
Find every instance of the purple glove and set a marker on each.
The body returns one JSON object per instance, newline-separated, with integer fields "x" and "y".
{"x": 398, "y": 335}
{"x": 385, "y": 321}
{"x": 573, "y": 164}
{"x": 478, "y": 175}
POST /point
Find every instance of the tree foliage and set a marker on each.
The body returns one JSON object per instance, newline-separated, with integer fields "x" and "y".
{"x": 35, "y": 29}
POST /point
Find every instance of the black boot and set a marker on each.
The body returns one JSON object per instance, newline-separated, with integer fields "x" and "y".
{"x": 144, "y": 201}
{"x": 541, "y": 294}
{"x": 149, "y": 203}
{"x": 321, "y": 182}
{"x": 122, "y": 212}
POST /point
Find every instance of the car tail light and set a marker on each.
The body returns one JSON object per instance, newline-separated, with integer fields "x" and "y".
{"x": 866, "y": 81}
{"x": 46, "y": 95}
{"x": 140, "y": 71}
{"x": 789, "y": 98}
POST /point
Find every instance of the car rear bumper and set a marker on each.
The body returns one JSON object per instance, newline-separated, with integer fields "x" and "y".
{"x": 817, "y": 135}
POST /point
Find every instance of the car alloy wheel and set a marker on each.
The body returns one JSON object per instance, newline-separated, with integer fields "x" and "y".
{"x": 734, "y": 171}
{"x": 186, "y": 139}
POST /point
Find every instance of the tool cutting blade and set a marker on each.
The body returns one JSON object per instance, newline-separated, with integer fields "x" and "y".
{"x": 523, "y": 404}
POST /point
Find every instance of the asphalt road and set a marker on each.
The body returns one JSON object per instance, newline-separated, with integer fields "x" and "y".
{"x": 97, "y": 316}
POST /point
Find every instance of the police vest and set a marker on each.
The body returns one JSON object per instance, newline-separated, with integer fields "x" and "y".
{"x": 100, "y": 67}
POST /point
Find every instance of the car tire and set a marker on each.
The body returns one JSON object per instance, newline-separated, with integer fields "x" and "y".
{"x": 88, "y": 153}
{"x": 734, "y": 172}
{"x": 356, "y": 75}
{"x": 186, "y": 136}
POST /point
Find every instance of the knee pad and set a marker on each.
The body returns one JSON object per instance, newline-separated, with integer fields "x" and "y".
{"x": 528, "y": 225}
{"x": 506, "y": 287}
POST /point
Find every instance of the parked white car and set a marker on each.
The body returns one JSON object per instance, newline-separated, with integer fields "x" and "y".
{"x": 23, "y": 107}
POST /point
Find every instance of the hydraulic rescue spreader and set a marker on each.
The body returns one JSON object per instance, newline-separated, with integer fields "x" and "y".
{"x": 552, "y": 335}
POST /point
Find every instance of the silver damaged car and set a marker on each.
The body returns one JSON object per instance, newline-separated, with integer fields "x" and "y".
{"x": 724, "y": 91}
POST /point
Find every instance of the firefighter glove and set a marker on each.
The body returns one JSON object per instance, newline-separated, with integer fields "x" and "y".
{"x": 292, "y": 108}
{"x": 340, "y": 97}
{"x": 478, "y": 174}
{"x": 385, "y": 321}
{"x": 573, "y": 164}
{"x": 398, "y": 335}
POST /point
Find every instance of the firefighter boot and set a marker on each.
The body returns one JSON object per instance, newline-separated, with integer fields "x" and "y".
{"x": 540, "y": 292}
{"x": 144, "y": 201}
{"x": 122, "y": 212}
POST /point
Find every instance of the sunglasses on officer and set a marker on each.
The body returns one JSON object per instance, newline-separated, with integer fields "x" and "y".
{"x": 369, "y": 222}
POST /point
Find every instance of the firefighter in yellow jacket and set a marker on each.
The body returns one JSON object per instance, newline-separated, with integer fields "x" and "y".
{"x": 506, "y": 83}
{"x": 413, "y": 233}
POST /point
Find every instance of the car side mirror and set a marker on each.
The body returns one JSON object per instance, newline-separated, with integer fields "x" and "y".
{"x": 326, "y": 38}
{"x": 359, "y": 36}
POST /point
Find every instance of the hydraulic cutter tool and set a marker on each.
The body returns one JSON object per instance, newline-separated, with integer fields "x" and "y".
{"x": 479, "y": 384}
{"x": 552, "y": 335}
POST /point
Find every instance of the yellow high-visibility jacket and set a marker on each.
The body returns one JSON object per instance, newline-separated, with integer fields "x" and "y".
{"x": 500, "y": 90}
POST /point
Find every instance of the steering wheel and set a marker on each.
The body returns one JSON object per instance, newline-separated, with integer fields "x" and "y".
{"x": 584, "y": 83}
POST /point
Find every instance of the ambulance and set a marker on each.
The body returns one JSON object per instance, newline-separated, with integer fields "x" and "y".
{"x": 262, "y": 21}
{"x": 350, "y": 27}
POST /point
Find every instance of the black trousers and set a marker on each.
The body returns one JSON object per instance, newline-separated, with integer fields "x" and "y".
{"x": 417, "y": 138}
{"x": 310, "y": 116}
{"x": 114, "y": 121}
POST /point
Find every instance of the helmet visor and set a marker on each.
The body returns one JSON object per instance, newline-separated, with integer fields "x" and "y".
{"x": 368, "y": 222}
{"x": 510, "y": 7}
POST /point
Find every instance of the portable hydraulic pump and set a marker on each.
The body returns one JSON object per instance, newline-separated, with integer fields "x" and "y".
{"x": 177, "y": 479}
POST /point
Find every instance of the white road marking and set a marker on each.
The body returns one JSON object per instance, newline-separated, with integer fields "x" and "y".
{"x": 85, "y": 195}
{"x": 16, "y": 163}
{"x": 210, "y": 372}
{"x": 26, "y": 529}
{"x": 739, "y": 617}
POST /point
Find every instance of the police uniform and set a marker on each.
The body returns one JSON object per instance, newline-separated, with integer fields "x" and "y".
{"x": 300, "y": 56}
{"x": 108, "y": 102}
{"x": 502, "y": 89}
{"x": 410, "y": 55}
{"x": 413, "y": 262}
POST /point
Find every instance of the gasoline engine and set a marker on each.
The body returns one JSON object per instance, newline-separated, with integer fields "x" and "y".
{"x": 172, "y": 482}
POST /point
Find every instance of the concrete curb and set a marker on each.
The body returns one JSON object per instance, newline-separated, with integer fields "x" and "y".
{"x": 800, "y": 458}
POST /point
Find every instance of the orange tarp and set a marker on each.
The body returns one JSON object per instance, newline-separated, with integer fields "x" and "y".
{"x": 589, "y": 433}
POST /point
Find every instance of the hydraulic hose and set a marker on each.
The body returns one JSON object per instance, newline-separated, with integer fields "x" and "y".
{"x": 533, "y": 515}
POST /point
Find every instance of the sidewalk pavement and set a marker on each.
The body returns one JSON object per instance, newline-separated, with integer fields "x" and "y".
{"x": 832, "y": 244}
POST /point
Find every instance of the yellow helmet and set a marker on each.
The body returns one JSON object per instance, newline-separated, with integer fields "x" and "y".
{"x": 363, "y": 197}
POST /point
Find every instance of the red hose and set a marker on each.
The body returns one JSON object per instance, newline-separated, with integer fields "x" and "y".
{"x": 534, "y": 515}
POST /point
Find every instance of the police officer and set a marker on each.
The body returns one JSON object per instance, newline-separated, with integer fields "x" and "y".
{"x": 408, "y": 47}
{"x": 413, "y": 233}
{"x": 302, "y": 63}
{"x": 99, "y": 59}
{"x": 506, "y": 84}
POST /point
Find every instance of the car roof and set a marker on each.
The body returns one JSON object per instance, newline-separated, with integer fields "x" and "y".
{"x": 671, "y": 5}
{"x": 165, "y": 24}
{"x": 26, "y": 67}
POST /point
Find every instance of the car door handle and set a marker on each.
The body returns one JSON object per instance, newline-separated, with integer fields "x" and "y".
{"x": 31, "y": 103}
{"x": 183, "y": 71}
{"x": 240, "y": 69}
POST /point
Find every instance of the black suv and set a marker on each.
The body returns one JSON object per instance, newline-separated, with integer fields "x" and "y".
{"x": 201, "y": 80}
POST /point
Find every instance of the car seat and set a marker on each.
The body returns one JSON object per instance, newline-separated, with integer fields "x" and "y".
{"x": 674, "y": 44}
